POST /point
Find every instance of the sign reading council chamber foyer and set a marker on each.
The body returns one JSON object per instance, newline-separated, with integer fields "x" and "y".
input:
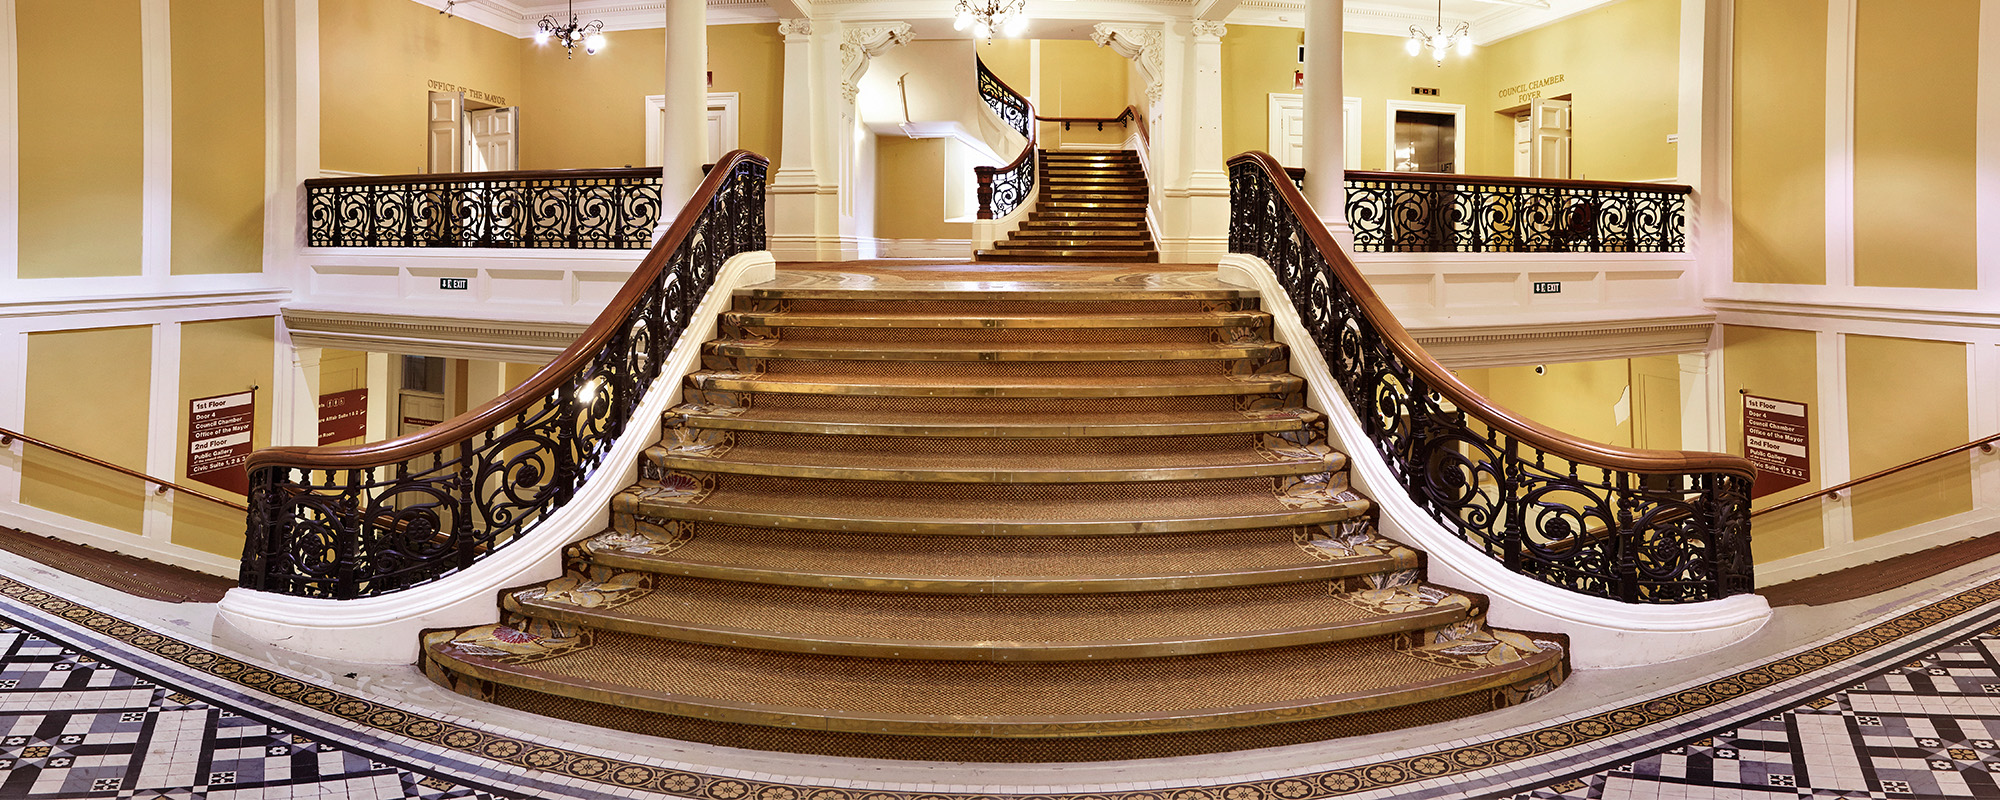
{"x": 1778, "y": 439}
{"x": 219, "y": 440}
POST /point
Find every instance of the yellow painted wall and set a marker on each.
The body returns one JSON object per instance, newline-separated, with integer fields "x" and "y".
{"x": 218, "y": 207}
{"x": 750, "y": 61}
{"x": 1906, "y": 398}
{"x": 1916, "y": 80}
{"x": 518, "y": 374}
{"x": 1619, "y": 64}
{"x": 1779, "y": 151}
{"x": 1009, "y": 59}
{"x": 1256, "y": 61}
{"x": 87, "y": 391}
{"x": 343, "y": 371}
{"x": 220, "y": 357}
{"x": 590, "y": 111}
{"x": 1080, "y": 79}
{"x": 1780, "y": 364}
{"x": 910, "y": 188}
{"x": 80, "y": 138}
{"x": 377, "y": 59}
{"x": 1575, "y": 398}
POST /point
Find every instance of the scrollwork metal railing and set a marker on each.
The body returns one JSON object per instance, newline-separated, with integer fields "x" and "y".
{"x": 347, "y": 522}
{"x": 1402, "y": 212}
{"x": 572, "y": 208}
{"x": 1641, "y": 526}
{"x": 1003, "y": 189}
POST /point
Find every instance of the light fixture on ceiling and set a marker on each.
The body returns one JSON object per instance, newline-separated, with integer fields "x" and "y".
{"x": 986, "y": 16}
{"x": 570, "y": 34}
{"x": 1438, "y": 41}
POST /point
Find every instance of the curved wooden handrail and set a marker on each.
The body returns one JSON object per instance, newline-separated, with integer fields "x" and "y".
{"x": 1983, "y": 445}
{"x": 474, "y": 177}
{"x": 7, "y": 437}
{"x": 499, "y": 409}
{"x": 984, "y": 175}
{"x": 1441, "y": 380}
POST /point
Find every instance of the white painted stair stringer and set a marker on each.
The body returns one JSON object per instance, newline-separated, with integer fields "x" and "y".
{"x": 384, "y": 630}
{"x": 1603, "y": 633}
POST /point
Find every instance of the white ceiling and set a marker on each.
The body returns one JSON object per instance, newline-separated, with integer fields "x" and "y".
{"x": 1491, "y": 20}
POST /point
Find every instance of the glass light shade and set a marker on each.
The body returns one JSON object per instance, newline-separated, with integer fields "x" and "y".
{"x": 961, "y": 22}
{"x": 1414, "y": 45}
{"x": 593, "y": 43}
{"x": 542, "y": 36}
{"x": 980, "y": 31}
{"x": 1465, "y": 45}
{"x": 1015, "y": 25}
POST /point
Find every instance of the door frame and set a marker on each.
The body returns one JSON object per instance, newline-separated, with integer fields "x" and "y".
{"x": 1350, "y": 115}
{"x": 656, "y": 143}
{"x": 1457, "y": 112}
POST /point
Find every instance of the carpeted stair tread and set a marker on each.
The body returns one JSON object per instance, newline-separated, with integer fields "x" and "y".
{"x": 1048, "y": 627}
{"x": 954, "y": 422}
{"x": 999, "y": 564}
{"x": 993, "y": 698}
{"x": 976, "y": 386}
{"x": 866, "y": 349}
{"x": 994, "y": 459}
{"x": 1071, "y": 319}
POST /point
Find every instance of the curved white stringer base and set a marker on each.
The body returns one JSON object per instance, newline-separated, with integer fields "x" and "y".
{"x": 384, "y": 630}
{"x": 1603, "y": 632}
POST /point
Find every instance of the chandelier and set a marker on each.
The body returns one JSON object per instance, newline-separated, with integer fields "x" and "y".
{"x": 571, "y": 34}
{"x": 1439, "y": 41}
{"x": 986, "y": 16}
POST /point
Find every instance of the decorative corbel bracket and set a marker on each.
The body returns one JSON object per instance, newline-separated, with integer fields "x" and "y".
{"x": 861, "y": 43}
{"x": 1144, "y": 46}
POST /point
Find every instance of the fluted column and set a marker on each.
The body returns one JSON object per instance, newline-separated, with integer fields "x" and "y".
{"x": 685, "y": 131}
{"x": 1325, "y": 135}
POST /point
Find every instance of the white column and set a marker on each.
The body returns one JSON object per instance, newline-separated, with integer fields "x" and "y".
{"x": 686, "y": 129}
{"x": 796, "y": 211}
{"x": 1325, "y": 136}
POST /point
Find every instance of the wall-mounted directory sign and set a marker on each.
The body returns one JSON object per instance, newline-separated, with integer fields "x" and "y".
{"x": 343, "y": 416}
{"x": 1777, "y": 437}
{"x": 219, "y": 440}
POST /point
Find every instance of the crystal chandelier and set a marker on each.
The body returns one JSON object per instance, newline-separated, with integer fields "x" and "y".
{"x": 1438, "y": 41}
{"x": 986, "y": 16}
{"x": 571, "y": 34}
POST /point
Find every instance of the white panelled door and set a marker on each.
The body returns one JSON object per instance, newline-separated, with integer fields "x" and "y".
{"x": 1548, "y": 124}
{"x": 492, "y": 141}
{"x": 444, "y": 142}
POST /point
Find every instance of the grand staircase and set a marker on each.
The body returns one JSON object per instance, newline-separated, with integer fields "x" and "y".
{"x": 1092, "y": 208}
{"x": 902, "y": 514}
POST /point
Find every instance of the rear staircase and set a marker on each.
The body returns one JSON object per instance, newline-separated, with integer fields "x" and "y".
{"x": 1092, "y": 208}
{"x": 901, "y": 514}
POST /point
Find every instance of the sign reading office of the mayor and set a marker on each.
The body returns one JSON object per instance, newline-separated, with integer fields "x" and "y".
{"x": 219, "y": 440}
{"x": 1777, "y": 437}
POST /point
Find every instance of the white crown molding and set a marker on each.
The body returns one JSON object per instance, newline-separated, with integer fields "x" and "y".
{"x": 1460, "y": 347}
{"x": 169, "y": 306}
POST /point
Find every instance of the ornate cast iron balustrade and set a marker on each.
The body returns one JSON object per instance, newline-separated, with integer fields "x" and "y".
{"x": 346, "y": 522}
{"x": 578, "y": 208}
{"x": 1420, "y": 212}
{"x": 1003, "y": 189}
{"x": 1642, "y": 526}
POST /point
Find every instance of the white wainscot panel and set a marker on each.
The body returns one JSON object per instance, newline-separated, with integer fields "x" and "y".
{"x": 1572, "y": 289}
{"x": 1640, "y": 287}
{"x": 1405, "y": 291}
{"x": 555, "y": 286}
{"x": 597, "y": 289}
{"x": 355, "y": 281}
{"x": 1450, "y": 290}
{"x": 1480, "y": 290}
{"x": 541, "y": 287}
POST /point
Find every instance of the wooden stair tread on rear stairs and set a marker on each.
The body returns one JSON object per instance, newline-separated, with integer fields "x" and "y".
{"x": 871, "y": 525}
{"x": 1091, "y": 207}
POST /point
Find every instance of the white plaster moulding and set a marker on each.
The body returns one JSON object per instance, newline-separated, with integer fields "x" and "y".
{"x": 1730, "y": 310}
{"x": 383, "y": 630}
{"x": 1603, "y": 633}
{"x": 158, "y": 306}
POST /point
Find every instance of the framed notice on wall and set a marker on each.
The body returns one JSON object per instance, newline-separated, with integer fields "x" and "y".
{"x": 218, "y": 440}
{"x": 1777, "y": 437}
{"x": 343, "y": 416}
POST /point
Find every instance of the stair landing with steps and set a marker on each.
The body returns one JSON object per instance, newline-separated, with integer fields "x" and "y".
{"x": 1091, "y": 209}
{"x": 994, "y": 513}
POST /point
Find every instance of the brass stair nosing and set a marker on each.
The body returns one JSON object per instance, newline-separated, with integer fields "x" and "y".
{"x": 988, "y": 354}
{"x": 1024, "y": 293}
{"x": 725, "y": 466}
{"x": 797, "y": 319}
{"x": 1012, "y": 431}
{"x": 1065, "y": 726}
{"x": 1023, "y": 256}
{"x": 1049, "y": 584}
{"x": 1249, "y": 386}
{"x": 939, "y": 527}
{"x": 1000, "y": 651}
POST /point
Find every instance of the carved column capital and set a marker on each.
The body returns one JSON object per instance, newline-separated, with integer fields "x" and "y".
{"x": 1205, "y": 28}
{"x": 861, "y": 43}
{"x": 789, "y": 28}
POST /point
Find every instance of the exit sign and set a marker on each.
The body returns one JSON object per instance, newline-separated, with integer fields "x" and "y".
{"x": 466, "y": 283}
{"x": 1548, "y": 287}
{"x": 1426, "y": 91}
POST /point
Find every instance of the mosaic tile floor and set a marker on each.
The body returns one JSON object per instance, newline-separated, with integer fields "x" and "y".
{"x": 92, "y": 705}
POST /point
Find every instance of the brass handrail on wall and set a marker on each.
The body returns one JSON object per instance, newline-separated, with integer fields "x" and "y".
{"x": 1003, "y": 189}
{"x": 366, "y": 520}
{"x": 160, "y": 486}
{"x": 1676, "y": 522}
{"x": 1982, "y": 445}
{"x": 1123, "y": 117}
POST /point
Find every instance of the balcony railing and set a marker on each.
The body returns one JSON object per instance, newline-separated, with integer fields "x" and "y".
{"x": 1641, "y": 526}
{"x": 569, "y": 208}
{"x": 1424, "y": 212}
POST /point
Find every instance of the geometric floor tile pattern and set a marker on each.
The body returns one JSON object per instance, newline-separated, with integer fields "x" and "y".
{"x": 74, "y": 726}
{"x": 95, "y": 706}
{"x": 1926, "y": 728}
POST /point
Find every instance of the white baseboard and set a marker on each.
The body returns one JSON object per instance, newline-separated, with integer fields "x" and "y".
{"x": 70, "y": 529}
{"x": 1936, "y": 533}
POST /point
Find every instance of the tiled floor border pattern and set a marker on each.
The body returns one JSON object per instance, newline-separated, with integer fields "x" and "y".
{"x": 512, "y": 763}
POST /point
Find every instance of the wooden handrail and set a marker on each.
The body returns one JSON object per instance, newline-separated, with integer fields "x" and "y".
{"x": 1440, "y": 379}
{"x": 1983, "y": 445}
{"x": 984, "y": 175}
{"x": 161, "y": 486}
{"x": 1451, "y": 178}
{"x": 538, "y": 386}
{"x": 1123, "y": 117}
{"x": 475, "y": 177}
